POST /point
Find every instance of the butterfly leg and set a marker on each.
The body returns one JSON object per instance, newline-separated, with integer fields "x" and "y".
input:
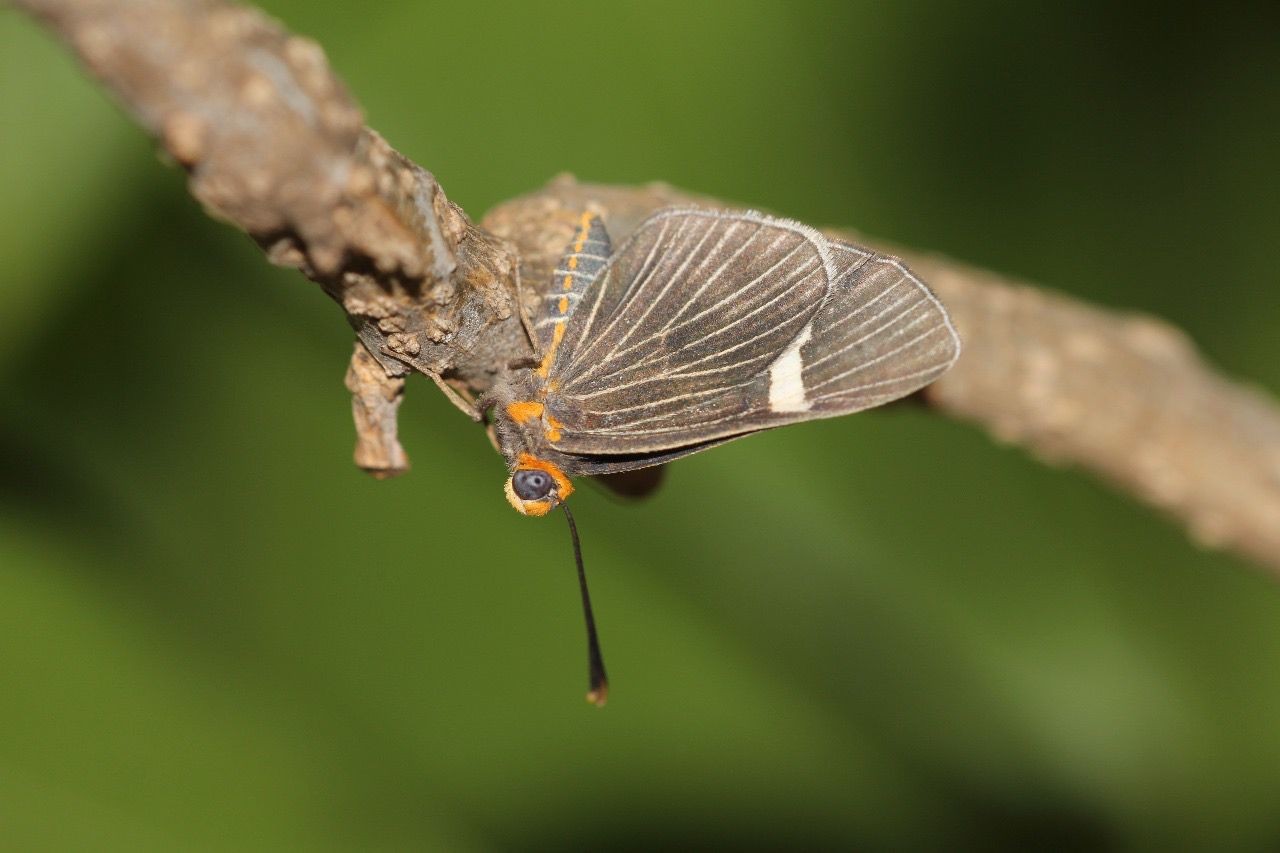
{"x": 524, "y": 314}
{"x": 467, "y": 407}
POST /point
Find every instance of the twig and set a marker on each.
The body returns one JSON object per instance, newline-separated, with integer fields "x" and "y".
{"x": 274, "y": 145}
{"x": 375, "y": 400}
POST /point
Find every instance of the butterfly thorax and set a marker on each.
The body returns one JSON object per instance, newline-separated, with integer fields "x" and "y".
{"x": 524, "y": 430}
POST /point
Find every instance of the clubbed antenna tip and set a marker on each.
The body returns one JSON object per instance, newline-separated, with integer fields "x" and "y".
{"x": 596, "y": 677}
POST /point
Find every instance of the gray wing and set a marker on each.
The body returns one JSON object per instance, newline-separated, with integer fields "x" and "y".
{"x": 782, "y": 325}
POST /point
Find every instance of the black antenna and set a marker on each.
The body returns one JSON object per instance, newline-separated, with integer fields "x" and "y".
{"x": 595, "y": 662}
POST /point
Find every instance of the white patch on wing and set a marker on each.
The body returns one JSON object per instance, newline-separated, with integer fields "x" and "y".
{"x": 786, "y": 377}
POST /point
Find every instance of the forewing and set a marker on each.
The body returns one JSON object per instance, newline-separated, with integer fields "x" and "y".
{"x": 673, "y": 335}
{"x": 876, "y": 334}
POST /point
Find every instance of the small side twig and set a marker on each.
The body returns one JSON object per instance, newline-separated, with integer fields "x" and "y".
{"x": 375, "y": 401}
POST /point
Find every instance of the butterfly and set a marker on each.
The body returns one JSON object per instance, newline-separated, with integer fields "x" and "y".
{"x": 704, "y": 326}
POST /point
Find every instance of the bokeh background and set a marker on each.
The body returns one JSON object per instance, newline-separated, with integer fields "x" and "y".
{"x": 875, "y": 632}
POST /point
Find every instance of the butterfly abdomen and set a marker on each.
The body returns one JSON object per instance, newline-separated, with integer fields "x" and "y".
{"x": 583, "y": 259}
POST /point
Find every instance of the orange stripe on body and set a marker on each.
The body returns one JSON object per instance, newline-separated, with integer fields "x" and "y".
{"x": 584, "y": 228}
{"x": 556, "y": 337}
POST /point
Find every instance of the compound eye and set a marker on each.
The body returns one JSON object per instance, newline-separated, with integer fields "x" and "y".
{"x": 532, "y": 485}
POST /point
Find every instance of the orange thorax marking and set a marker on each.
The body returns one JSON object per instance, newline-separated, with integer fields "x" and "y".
{"x": 524, "y": 411}
{"x": 554, "y": 429}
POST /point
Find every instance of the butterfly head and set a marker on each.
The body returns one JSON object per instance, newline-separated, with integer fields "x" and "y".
{"x": 536, "y": 486}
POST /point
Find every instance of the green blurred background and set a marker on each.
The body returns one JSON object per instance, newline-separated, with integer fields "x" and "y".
{"x": 875, "y": 632}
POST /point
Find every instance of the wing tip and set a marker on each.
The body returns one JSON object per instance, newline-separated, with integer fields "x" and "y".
{"x": 957, "y": 343}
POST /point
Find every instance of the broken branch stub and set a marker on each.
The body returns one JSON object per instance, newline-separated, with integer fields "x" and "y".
{"x": 375, "y": 401}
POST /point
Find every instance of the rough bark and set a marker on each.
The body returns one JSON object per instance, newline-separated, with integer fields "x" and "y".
{"x": 375, "y": 401}
{"x": 274, "y": 144}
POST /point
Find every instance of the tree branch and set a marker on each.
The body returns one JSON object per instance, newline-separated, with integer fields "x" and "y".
{"x": 274, "y": 145}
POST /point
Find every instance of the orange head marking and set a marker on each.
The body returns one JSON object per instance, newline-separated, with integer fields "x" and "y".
{"x": 536, "y": 486}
